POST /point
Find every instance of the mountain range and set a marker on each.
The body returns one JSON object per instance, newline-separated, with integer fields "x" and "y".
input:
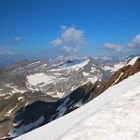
{"x": 35, "y": 93}
{"x": 114, "y": 114}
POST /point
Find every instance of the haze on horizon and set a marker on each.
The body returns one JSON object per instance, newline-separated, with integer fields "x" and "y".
{"x": 44, "y": 29}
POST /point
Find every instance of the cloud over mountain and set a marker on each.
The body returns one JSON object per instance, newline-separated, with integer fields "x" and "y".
{"x": 135, "y": 43}
{"x": 114, "y": 47}
{"x": 132, "y": 47}
{"x": 70, "y": 40}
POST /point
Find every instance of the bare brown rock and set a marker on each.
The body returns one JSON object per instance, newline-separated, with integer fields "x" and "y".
{"x": 120, "y": 75}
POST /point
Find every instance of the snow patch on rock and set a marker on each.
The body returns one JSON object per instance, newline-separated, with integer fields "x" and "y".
{"x": 39, "y": 78}
{"x": 85, "y": 74}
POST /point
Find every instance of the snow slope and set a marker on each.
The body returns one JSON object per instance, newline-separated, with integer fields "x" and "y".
{"x": 132, "y": 62}
{"x": 111, "y": 116}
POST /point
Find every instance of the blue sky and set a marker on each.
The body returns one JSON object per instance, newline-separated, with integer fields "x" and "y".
{"x": 29, "y": 28}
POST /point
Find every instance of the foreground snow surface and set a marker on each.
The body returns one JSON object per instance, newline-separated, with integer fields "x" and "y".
{"x": 114, "y": 115}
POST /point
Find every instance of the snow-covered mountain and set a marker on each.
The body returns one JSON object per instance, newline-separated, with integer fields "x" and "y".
{"x": 113, "y": 66}
{"x": 26, "y": 84}
{"x": 35, "y": 93}
{"x": 129, "y": 69}
{"x": 55, "y": 80}
{"x": 112, "y": 115}
{"x": 62, "y": 79}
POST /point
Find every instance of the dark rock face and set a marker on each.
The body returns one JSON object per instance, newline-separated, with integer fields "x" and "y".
{"x": 49, "y": 110}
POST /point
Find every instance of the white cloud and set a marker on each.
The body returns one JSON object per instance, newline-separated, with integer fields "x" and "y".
{"x": 114, "y": 47}
{"x": 63, "y": 27}
{"x": 18, "y": 38}
{"x": 69, "y": 50}
{"x": 69, "y": 57}
{"x": 136, "y": 40}
{"x": 135, "y": 43}
{"x": 132, "y": 47}
{"x": 71, "y": 39}
{"x": 73, "y": 36}
{"x": 105, "y": 58}
{"x": 56, "y": 42}
{"x": 5, "y": 53}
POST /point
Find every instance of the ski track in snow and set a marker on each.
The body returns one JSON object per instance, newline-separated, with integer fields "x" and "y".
{"x": 113, "y": 115}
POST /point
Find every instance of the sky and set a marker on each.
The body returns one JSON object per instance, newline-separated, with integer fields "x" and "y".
{"x": 33, "y": 29}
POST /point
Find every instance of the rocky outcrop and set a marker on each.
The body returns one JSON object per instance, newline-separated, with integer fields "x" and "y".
{"x": 120, "y": 75}
{"x": 40, "y": 112}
